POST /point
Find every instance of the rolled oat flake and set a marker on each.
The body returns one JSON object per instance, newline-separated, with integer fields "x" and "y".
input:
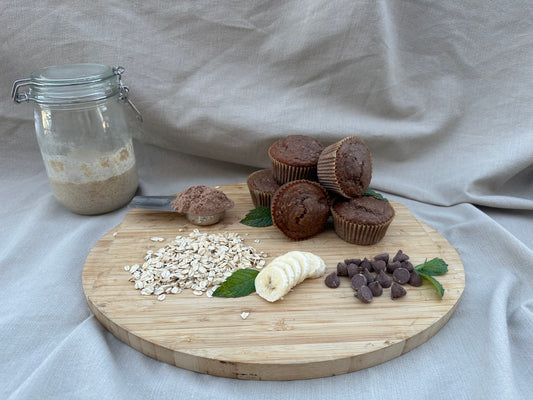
{"x": 83, "y": 134}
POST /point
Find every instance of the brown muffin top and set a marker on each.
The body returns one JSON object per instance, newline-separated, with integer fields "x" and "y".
{"x": 366, "y": 210}
{"x": 202, "y": 200}
{"x": 263, "y": 180}
{"x": 297, "y": 150}
{"x": 300, "y": 209}
{"x": 353, "y": 167}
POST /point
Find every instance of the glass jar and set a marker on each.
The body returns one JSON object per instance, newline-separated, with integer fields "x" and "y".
{"x": 83, "y": 134}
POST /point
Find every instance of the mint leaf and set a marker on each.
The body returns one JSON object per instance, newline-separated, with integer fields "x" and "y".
{"x": 258, "y": 217}
{"x": 370, "y": 192}
{"x": 240, "y": 283}
{"x": 435, "y": 283}
{"x": 436, "y": 266}
{"x": 428, "y": 269}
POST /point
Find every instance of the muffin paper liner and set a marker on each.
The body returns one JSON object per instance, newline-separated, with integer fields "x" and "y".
{"x": 260, "y": 198}
{"x": 284, "y": 173}
{"x": 326, "y": 168}
{"x": 361, "y": 234}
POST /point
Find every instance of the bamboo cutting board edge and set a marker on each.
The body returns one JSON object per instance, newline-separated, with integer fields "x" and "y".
{"x": 272, "y": 371}
{"x": 202, "y": 360}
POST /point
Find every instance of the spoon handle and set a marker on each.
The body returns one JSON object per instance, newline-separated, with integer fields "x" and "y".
{"x": 161, "y": 203}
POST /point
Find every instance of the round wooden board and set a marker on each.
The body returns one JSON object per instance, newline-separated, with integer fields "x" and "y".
{"x": 313, "y": 332}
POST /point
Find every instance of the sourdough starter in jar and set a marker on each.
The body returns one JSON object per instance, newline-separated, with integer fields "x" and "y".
{"x": 89, "y": 183}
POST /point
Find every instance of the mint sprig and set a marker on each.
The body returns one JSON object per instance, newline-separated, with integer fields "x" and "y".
{"x": 258, "y": 217}
{"x": 433, "y": 267}
{"x": 240, "y": 283}
{"x": 373, "y": 193}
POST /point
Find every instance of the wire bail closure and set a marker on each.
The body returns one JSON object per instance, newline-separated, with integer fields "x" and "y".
{"x": 20, "y": 97}
{"x": 124, "y": 90}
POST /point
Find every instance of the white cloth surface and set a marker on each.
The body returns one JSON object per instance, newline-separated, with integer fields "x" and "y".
{"x": 441, "y": 91}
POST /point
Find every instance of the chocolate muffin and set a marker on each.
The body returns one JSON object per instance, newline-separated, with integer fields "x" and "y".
{"x": 300, "y": 209}
{"x": 363, "y": 220}
{"x": 262, "y": 187}
{"x": 345, "y": 167}
{"x": 294, "y": 157}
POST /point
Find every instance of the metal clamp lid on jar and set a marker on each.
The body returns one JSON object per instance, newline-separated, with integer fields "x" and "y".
{"x": 25, "y": 96}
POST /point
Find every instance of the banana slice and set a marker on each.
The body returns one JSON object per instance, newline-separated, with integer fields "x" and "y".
{"x": 294, "y": 265}
{"x": 286, "y": 271}
{"x": 287, "y": 267}
{"x": 272, "y": 283}
{"x": 303, "y": 264}
{"x": 317, "y": 265}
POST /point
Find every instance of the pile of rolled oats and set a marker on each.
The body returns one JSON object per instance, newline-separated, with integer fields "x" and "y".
{"x": 199, "y": 261}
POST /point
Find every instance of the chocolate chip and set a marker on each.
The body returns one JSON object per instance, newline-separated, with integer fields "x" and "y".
{"x": 407, "y": 265}
{"x": 354, "y": 269}
{"x": 342, "y": 269}
{"x": 392, "y": 266}
{"x": 332, "y": 280}
{"x": 382, "y": 257}
{"x": 379, "y": 265}
{"x": 364, "y": 294}
{"x": 358, "y": 280}
{"x": 400, "y": 256}
{"x": 401, "y": 275}
{"x": 355, "y": 261}
{"x": 375, "y": 288}
{"x": 415, "y": 279}
{"x": 368, "y": 275}
{"x": 397, "y": 291}
{"x": 366, "y": 264}
{"x": 384, "y": 280}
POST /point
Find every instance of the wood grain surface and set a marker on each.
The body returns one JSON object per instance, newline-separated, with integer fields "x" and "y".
{"x": 313, "y": 332}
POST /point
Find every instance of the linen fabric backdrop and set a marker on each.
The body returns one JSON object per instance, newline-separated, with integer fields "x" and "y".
{"x": 441, "y": 92}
